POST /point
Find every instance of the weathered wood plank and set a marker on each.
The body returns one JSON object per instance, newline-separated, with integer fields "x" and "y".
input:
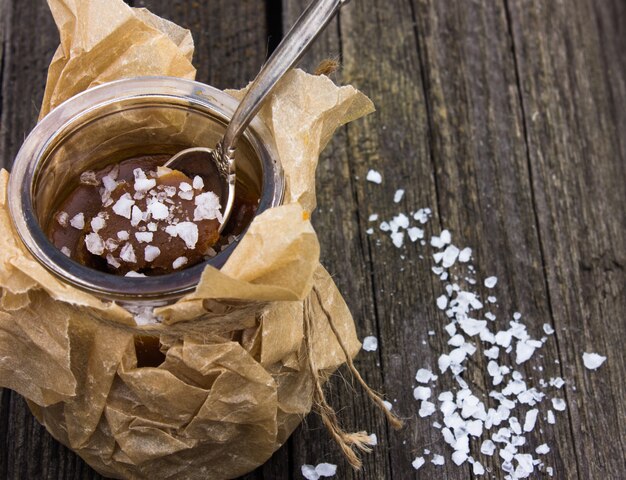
{"x": 344, "y": 252}
{"x": 25, "y": 66}
{"x": 483, "y": 183}
{"x": 570, "y": 59}
{"x": 230, "y": 37}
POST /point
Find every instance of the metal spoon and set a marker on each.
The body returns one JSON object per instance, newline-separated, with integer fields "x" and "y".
{"x": 218, "y": 165}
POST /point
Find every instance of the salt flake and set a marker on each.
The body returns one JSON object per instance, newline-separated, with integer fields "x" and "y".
{"x": 490, "y": 282}
{"x": 397, "y": 197}
{"x": 418, "y": 462}
{"x": 326, "y": 470}
{"x": 592, "y": 360}
{"x": 374, "y": 177}
{"x": 78, "y": 221}
{"x": 370, "y": 344}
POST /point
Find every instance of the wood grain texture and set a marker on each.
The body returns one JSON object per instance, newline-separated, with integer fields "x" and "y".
{"x": 507, "y": 118}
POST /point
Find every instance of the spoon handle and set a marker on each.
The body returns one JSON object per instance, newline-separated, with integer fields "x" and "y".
{"x": 308, "y": 26}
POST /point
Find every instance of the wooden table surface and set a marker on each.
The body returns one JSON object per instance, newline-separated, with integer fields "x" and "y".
{"x": 508, "y": 119}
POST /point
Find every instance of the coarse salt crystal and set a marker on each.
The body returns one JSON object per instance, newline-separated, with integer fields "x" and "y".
{"x": 326, "y": 470}
{"x": 493, "y": 352}
{"x": 127, "y": 253}
{"x": 438, "y": 460}
{"x": 109, "y": 182}
{"x": 397, "y": 238}
{"x": 465, "y": 255}
{"x": 94, "y": 243}
{"x": 418, "y": 462}
{"x": 111, "y": 260}
{"x": 523, "y": 351}
{"x": 111, "y": 244}
{"x": 139, "y": 174}
{"x": 593, "y": 360}
{"x": 144, "y": 184}
{"x": 421, "y": 393}
{"x": 550, "y": 417}
{"x": 422, "y": 215}
{"x": 547, "y": 328}
{"x": 450, "y": 255}
{"x": 308, "y": 472}
{"x": 442, "y": 302}
{"x": 134, "y": 274}
{"x": 426, "y": 409}
{"x": 490, "y": 282}
{"x": 151, "y": 252}
{"x": 198, "y": 183}
{"x": 88, "y": 178}
{"x": 436, "y": 242}
{"x": 374, "y": 177}
{"x": 397, "y": 197}
{"x": 542, "y": 449}
{"x": 78, "y": 221}
{"x": 188, "y": 232}
{"x": 471, "y": 326}
{"x": 179, "y": 262}
{"x": 525, "y": 465}
{"x": 459, "y": 457}
{"x": 123, "y": 235}
{"x": 373, "y": 217}
{"x": 370, "y": 344}
{"x": 531, "y": 418}
{"x": 144, "y": 237}
{"x": 399, "y": 221}
{"x": 424, "y": 375}
{"x": 186, "y": 195}
{"x": 478, "y": 469}
{"x": 66, "y": 251}
{"x": 487, "y": 447}
{"x": 97, "y": 223}
{"x": 124, "y": 205}
{"x": 415, "y": 233}
{"x": 207, "y": 207}
{"x": 558, "y": 404}
{"x": 387, "y": 405}
{"x": 185, "y": 187}
{"x": 62, "y": 218}
{"x": 158, "y": 210}
{"x": 557, "y": 382}
{"x": 373, "y": 440}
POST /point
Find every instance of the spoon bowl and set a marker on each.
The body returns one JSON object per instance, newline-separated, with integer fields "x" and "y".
{"x": 213, "y": 167}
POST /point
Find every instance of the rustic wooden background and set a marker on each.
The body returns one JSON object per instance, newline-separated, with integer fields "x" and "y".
{"x": 507, "y": 118}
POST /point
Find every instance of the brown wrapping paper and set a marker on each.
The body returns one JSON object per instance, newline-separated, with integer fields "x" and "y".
{"x": 232, "y": 376}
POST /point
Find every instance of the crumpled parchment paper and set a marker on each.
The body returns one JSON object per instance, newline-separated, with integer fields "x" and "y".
{"x": 216, "y": 400}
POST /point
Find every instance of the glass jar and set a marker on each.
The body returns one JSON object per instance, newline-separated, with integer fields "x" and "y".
{"x": 119, "y": 120}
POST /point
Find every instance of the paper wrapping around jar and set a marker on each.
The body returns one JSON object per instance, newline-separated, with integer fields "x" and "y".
{"x": 234, "y": 375}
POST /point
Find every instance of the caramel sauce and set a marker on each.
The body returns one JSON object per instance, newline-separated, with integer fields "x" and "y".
{"x": 86, "y": 198}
